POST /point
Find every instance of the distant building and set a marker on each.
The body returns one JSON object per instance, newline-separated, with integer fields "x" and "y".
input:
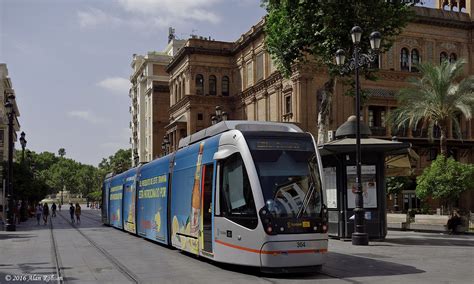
{"x": 149, "y": 102}
{"x": 6, "y": 88}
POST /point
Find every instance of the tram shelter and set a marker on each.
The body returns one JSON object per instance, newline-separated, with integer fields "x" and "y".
{"x": 339, "y": 167}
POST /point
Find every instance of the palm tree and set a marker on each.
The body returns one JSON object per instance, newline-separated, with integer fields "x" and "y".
{"x": 436, "y": 99}
{"x": 61, "y": 152}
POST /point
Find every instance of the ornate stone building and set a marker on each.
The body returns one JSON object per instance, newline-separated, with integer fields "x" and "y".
{"x": 240, "y": 77}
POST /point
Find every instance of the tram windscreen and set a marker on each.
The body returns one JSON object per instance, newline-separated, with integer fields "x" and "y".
{"x": 289, "y": 175}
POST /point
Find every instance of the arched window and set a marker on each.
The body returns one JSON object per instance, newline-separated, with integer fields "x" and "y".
{"x": 225, "y": 86}
{"x": 199, "y": 84}
{"x": 404, "y": 59}
{"x": 452, "y": 57}
{"x": 415, "y": 60}
{"x": 443, "y": 56}
{"x": 212, "y": 85}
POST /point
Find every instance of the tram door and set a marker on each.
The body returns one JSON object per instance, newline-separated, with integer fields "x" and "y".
{"x": 206, "y": 206}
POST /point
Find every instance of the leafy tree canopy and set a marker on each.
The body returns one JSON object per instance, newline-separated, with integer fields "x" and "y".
{"x": 445, "y": 179}
{"x": 296, "y": 28}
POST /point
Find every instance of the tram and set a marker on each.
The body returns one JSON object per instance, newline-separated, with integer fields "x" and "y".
{"x": 238, "y": 192}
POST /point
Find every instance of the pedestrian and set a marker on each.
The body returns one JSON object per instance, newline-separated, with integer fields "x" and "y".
{"x": 59, "y": 205}
{"x": 78, "y": 213}
{"x": 53, "y": 210}
{"x": 39, "y": 211}
{"x": 454, "y": 221}
{"x": 45, "y": 213}
{"x": 71, "y": 212}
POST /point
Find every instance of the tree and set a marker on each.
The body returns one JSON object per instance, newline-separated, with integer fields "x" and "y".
{"x": 395, "y": 185}
{"x": 445, "y": 180}
{"x": 62, "y": 152}
{"x": 298, "y": 30}
{"x": 436, "y": 99}
{"x": 117, "y": 163}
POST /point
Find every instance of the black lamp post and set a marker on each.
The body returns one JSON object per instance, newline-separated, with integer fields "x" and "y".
{"x": 219, "y": 116}
{"x": 10, "y": 222}
{"x": 165, "y": 145}
{"x": 23, "y": 145}
{"x": 359, "y": 237}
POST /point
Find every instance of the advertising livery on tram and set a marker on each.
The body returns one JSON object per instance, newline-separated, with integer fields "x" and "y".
{"x": 239, "y": 192}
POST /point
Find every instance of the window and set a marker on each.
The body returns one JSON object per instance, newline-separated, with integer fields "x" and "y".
{"x": 200, "y": 116}
{"x": 225, "y": 86}
{"x": 212, "y": 85}
{"x": 199, "y": 84}
{"x": 371, "y": 118}
{"x": 236, "y": 198}
{"x": 249, "y": 74}
{"x": 404, "y": 59}
{"x": 443, "y": 56}
{"x": 288, "y": 104}
{"x": 452, "y": 58}
{"x": 415, "y": 60}
{"x": 259, "y": 67}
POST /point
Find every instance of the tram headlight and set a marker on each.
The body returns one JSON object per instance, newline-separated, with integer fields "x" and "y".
{"x": 267, "y": 221}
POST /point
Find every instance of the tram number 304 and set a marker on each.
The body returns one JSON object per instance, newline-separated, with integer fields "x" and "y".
{"x": 300, "y": 244}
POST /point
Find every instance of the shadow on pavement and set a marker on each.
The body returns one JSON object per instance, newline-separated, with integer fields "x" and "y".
{"x": 431, "y": 242}
{"x": 15, "y": 236}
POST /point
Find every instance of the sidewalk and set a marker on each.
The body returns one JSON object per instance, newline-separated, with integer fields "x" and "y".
{"x": 422, "y": 223}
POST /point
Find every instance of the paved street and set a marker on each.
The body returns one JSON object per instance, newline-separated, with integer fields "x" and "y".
{"x": 98, "y": 254}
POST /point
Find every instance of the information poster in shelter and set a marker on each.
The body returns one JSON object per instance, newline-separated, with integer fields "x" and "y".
{"x": 331, "y": 187}
{"x": 369, "y": 186}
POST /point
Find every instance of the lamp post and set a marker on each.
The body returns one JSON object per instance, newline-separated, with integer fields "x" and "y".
{"x": 10, "y": 222}
{"x": 219, "y": 116}
{"x": 165, "y": 145}
{"x": 23, "y": 145}
{"x": 359, "y": 59}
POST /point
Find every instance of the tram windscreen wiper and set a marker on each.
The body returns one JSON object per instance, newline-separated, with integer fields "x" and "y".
{"x": 312, "y": 187}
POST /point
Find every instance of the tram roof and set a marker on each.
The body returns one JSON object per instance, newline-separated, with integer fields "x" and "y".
{"x": 241, "y": 125}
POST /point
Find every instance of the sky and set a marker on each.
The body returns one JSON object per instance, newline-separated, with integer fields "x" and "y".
{"x": 69, "y": 62}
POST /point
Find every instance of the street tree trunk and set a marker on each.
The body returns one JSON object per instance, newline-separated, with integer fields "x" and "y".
{"x": 443, "y": 139}
{"x": 324, "y": 110}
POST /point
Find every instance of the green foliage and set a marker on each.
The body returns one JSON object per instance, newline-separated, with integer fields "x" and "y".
{"x": 297, "y": 28}
{"x": 395, "y": 185}
{"x": 435, "y": 99}
{"x": 117, "y": 163}
{"x": 445, "y": 179}
{"x": 62, "y": 152}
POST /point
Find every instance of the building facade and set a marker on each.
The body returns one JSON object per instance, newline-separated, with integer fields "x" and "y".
{"x": 149, "y": 94}
{"x": 6, "y": 89}
{"x": 241, "y": 78}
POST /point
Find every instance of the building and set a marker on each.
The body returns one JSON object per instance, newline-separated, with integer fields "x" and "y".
{"x": 150, "y": 95}
{"x": 6, "y": 89}
{"x": 240, "y": 77}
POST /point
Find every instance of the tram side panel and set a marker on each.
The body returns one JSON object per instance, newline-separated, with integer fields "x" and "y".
{"x": 186, "y": 193}
{"x": 105, "y": 202}
{"x": 115, "y": 202}
{"x": 129, "y": 201}
{"x": 152, "y": 198}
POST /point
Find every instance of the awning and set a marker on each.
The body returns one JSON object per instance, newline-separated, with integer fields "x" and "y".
{"x": 347, "y": 145}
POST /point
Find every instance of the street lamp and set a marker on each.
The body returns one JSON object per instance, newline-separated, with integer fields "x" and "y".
{"x": 23, "y": 145}
{"x": 219, "y": 116}
{"x": 9, "y": 107}
{"x": 165, "y": 145}
{"x": 359, "y": 236}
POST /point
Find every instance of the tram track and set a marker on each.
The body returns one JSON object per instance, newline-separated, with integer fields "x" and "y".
{"x": 116, "y": 263}
{"x": 56, "y": 255}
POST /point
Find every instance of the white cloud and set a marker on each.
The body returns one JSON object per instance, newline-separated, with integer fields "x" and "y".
{"x": 96, "y": 17}
{"x": 85, "y": 115}
{"x": 117, "y": 85}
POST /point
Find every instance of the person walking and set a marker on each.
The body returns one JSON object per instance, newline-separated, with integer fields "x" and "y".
{"x": 45, "y": 213}
{"x": 78, "y": 213}
{"x": 71, "y": 212}
{"x": 39, "y": 211}
{"x": 53, "y": 210}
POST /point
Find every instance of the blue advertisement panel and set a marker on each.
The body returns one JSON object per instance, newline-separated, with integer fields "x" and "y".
{"x": 186, "y": 193}
{"x": 129, "y": 196}
{"x": 115, "y": 203}
{"x": 152, "y": 200}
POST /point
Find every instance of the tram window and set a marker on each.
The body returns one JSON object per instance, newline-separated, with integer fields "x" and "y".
{"x": 236, "y": 198}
